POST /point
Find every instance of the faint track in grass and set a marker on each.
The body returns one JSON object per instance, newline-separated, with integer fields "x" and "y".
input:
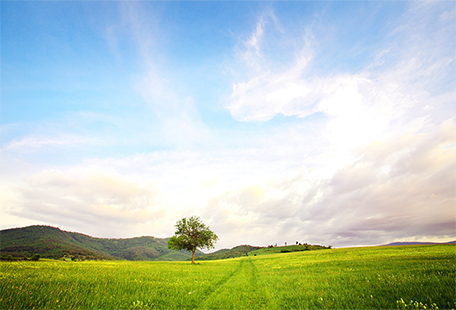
{"x": 241, "y": 288}
{"x": 211, "y": 290}
{"x": 225, "y": 279}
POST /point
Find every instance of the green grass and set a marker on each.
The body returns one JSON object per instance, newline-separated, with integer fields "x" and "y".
{"x": 354, "y": 278}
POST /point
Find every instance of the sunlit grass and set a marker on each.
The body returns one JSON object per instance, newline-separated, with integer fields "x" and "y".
{"x": 356, "y": 278}
{"x": 363, "y": 278}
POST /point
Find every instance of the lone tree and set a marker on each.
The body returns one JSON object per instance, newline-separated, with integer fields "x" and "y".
{"x": 191, "y": 234}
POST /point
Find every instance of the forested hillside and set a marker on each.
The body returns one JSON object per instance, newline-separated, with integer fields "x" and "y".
{"x": 51, "y": 242}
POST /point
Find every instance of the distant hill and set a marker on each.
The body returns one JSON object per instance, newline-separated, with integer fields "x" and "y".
{"x": 51, "y": 242}
{"x": 417, "y": 242}
{"x": 248, "y": 250}
{"x": 228, "y": 253}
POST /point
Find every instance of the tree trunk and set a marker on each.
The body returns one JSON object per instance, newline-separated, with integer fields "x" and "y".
{"x": 193, "y": 257}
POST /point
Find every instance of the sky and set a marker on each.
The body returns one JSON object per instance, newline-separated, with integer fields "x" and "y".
{"x": 326, "y": 122}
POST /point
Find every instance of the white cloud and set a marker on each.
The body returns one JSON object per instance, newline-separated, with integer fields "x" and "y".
{"x": 361, "y": 203}
{"x": 384, "y": 190}
{"x": 99, "y": 201}
{"x": 34, "y": 143}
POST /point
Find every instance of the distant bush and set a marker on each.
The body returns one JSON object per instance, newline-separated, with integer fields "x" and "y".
{"x": 36, "y": 257}
{"x": 11, "y": 258}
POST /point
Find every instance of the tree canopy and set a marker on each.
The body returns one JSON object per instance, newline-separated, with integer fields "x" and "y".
{"x": 191, "y": 234}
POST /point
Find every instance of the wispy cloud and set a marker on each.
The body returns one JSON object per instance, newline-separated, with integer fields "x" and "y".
{"x": 250, "y": 48}
{"x": 31, "y": 144}
{"x": 181, "y": 123}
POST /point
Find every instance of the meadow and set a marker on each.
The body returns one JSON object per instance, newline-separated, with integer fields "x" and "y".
{"x": 415, "y": 277}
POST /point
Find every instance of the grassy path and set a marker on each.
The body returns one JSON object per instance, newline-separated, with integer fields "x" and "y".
{"x": 242, "y": 289}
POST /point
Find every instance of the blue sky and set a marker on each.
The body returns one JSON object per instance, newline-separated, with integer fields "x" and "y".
{"x": 327, "y": 122}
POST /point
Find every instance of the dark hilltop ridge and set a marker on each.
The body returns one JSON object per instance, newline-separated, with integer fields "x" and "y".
{"x": 52, "y": 242}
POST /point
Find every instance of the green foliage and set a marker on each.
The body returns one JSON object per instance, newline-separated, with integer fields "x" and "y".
{"x": 36, "y": 257}
{"x": 349, "y": 278}
{"x": 192, "y": 234}
{"x": 51, "y": 242}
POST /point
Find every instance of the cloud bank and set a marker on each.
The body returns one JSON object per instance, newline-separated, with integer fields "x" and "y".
{"x": 293, "y": 153}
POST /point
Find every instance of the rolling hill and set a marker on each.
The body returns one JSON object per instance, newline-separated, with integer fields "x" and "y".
{"x": 52, "y": 242}
{"x": 237, "y": 251}
{"x": 248, "y": 250}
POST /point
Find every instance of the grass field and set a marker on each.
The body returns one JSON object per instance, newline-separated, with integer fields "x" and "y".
{"x": 415, "y": 277}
